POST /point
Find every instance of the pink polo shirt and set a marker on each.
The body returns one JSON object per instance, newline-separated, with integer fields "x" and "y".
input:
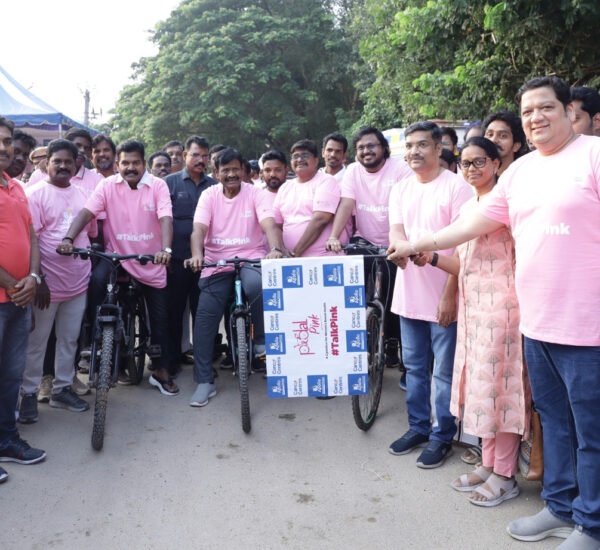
{"x": 424, "y": 208}
{"x": 53, "y": 209}
{"x": 233, "y": 224}
{"x": 371, "y": 193}
{"x": 87, "y": 179}
{"x": 552, "y": 204}
{"x": 294, "y": 207}
{"x": 131, "y": 225}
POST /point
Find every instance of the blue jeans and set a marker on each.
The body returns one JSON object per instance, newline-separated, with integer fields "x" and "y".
{"x": 565, "y": 383}
{"x": 15, "y": 323}
{"x": 421, "y": 342}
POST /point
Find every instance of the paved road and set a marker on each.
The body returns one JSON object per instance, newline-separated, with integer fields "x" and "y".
{"x": 174, "y": 477}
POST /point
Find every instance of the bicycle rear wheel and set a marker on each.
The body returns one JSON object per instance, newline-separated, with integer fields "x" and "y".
{"x": 364, "y": 407}
{"x": 243, "y": 369}
{"x": 137, "y": 333}
{"x": 103, "y": 385}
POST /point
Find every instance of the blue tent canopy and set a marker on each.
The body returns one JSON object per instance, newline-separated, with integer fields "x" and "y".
{"x": 29, "y": 111}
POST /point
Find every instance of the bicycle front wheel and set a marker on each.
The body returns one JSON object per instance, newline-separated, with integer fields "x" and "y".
{"x": 364, "y": 407}
{"x": 103, "y": 385}
{"x": 243, "y": 369}
{"x": 137, "y": 333}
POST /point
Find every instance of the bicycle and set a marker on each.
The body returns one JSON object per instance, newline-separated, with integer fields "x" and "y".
{"x": 364, "y": 407}
{"x": 121, "y": 332}
{"x": 240, "y": 325}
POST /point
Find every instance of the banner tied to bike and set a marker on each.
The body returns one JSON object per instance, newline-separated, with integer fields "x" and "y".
{"x": 315, "y": 326}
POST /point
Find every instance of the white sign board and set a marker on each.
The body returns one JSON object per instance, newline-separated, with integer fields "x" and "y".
{"x": 315, "y": 326}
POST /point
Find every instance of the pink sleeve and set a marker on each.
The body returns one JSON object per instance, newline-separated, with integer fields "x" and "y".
{"x": 277, "y": 208}
{"x": 394, "y": 210}
{"x": 262, "y": 206}
{"x": 348, "y": 184}
{"x": 462, "y": 192}
{"x": 203, "y": 213}
{"x": 496, "y": 205}
{"x": 96, "y": 203}
{"x": 164, "y": 207}
{"x": 327, "y": 196}
{"x": 35, "y": 215}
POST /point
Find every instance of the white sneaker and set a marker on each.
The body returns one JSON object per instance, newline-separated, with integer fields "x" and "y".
{"x": 79, "y": 387}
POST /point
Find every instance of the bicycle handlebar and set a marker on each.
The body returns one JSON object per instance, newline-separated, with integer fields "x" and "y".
{"x": 231, "y": 261}
{"x": 371, "y": 249}
{"x": 85, "y": 253}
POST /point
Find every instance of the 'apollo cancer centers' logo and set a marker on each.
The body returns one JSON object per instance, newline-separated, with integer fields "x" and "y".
{"x": 277, "y": 386}
{"x": 275, "y": 343}
{"x": 317, "y": 385}
{"x": 354, "y": 296}
{"x": 292, "y": 276}
{"x": 333, "y": 275}
{"x": 272, "y": 299}
{"x": 356, "y": 340}
{"x": 358, "y": 384}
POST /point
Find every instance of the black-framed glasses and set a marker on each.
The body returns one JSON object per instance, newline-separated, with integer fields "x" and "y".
{"x": 478, "y": 162}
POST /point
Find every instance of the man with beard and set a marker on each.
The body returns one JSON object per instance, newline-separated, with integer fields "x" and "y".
{"x": 23, "y": 144}
{"x": 174, "y": 149}
{"x": 365, "y": 190}
{"x": 138, "y": 220}
{"x": 586, "y": 110}
{"x": 159, "y": 164}
{"x": 85, "y": 178}
{"x": 231, "y": 219}
{"x": 505, "y": 130}
{"x": 103, "y": 155}
{"x": 274, "y": 171}
{"x": 335, "y": 147}
{"x": 185, "y": 188}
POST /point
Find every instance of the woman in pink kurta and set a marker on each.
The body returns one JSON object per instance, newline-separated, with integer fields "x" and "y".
{"x": 490, "y": 391}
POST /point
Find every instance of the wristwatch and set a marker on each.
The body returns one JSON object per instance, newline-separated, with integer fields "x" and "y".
{"x": 276, "y": 249}
{"x": 167, "y": 250}
{"x": 37, "y": 278}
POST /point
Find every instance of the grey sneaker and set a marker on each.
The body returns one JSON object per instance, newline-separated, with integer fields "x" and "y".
{"x": 28, "y": 411}
{"x": 539, "y": 527}
{"x": 80, "y": 387}
{"x": 3, "y": 475}
{"x": 202, "y": 394}
{"x": 66, "y": 399}
{"x": 45, "y": 389}
{"x": 578, "y": 540}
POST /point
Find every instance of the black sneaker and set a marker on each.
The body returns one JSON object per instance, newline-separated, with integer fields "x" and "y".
{"x": 18, "y": 450}
{"x": 28, "y": 410}
{"x": 259, "y": 364}
{"x": 3, "y": 475}
{"x": 67, "y": 399}
{"x": 409, "y": 441}
{"x": 227, "y": 362}
{"x": 434, "y": 455}
{"x": 391, "y": 347}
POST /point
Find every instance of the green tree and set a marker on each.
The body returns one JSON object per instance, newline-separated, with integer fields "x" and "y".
{"x": 460, "y": 59}
{"x": 249, "y": 74}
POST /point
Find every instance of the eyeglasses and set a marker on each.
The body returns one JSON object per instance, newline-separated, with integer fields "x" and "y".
{"x": 303, "y": 156}
{"x": 367, "y": 147}
{"x": 478, "y": 162}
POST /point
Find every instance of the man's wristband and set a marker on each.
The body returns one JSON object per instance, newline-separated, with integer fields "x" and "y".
{"x": 167, "y": 250}
{"x": 68, "y": 239}
{"x": 434, "y": 259}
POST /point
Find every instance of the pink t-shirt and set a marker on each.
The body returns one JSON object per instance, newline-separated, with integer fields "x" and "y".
{"x": 269, "y": 196}
{"x": 371, "y": 193}
{"x": 131, "y": 225}
{"x": 37, "y": 175}
{"x": 233, "y": 224}
{"x": 87, "y": 179}
{"x": 294, "y": 207}
{"x": 53, "y": 209}
{"x": 552, "y": 204}
{"x": 424, "y": 208}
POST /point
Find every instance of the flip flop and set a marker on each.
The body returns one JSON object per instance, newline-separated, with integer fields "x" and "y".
{"x": 472, "y": 455}
{"x": 461, "y": 484}
{"x": 161, "y": 385}
{"x": 501, "y": 490}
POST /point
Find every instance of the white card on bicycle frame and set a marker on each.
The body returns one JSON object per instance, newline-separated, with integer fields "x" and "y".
{"x": 315, "y": 326}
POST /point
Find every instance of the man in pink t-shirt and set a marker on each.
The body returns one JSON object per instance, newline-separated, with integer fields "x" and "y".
{"x": 425, "y": 298}
{"x": 61, "y": 297}
{"x": 138, "y": 212}
{"x": 274, "y": 172}
{"x": 551, "y": 200}
{"x": 305, "y": 206}
{"x": 232, "y": 219}
{"x": 366, "y": 190}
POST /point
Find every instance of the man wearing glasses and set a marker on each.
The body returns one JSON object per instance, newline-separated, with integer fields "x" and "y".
{"x": 185, "y": 188}
{"x": 305, "y": 206}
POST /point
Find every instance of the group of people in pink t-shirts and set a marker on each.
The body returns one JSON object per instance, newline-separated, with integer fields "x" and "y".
{"x": 493, "y": 304}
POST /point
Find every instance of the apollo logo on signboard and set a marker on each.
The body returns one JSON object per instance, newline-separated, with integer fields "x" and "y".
{"x": 292, "y": 276}
{"x": 354, "y": 296}
{"x": 275, "y": 343}
{"x": 356, "y": 340}
{"x": 273, "y": 300}
{"x": 358, "y": 384}
{"x": 277, "y": 386}
{"x": 333, "y": 275}
{"x": 317, "y": 385}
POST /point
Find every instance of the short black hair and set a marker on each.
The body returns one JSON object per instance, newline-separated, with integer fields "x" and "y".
{"x": 560, "y": 87}
{"x": 99, "y": 138}
{"x": 200, "y": 141}
{"x": 365, "y": 131}
{"x": 516, "y": 127}
{"x": 448, "y": 156}
{"x": 78, "y": 132}
{"x": 274, "y": 154}
{"x": 226, "y": 155}
{"x": 590, "y": 99}
{"x": 487, "y": 145}
{"x": 425, "y": 126}
{"x": 157, "y": 154}
{"x": 307, "y": 145}
{"x": 26, "y": 138}
{"x": 57, "y": 145}
{"x": 216, "y": 148}
{"x": 447, "y": 131}
{"x": 336, "y": 137}
{"x": 173, "y": 143}
{"x": 8, "y": 124}
{"x": 131, "y": 146}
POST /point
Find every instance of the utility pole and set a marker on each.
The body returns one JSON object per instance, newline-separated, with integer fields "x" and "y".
{"x": 86, "y": 108}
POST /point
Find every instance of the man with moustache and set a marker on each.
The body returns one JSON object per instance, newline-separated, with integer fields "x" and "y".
{"x": 174, "y": 149}
{"x": 334, "y": 152}
{"x": 23, "y": 144}
{"x": 159, "y": 164}
{"x": 185, "y": 188}
{"x": 103, "y": 155}
{"x": 138, "y": 220}
{"x": 505, "y": 130}
{"x": 86, "y": 178}
{"x": 274, "y": 171}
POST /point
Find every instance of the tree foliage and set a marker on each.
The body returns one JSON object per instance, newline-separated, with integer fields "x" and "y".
{"x": 459, "y": 59}
{"x": 248, "y": 74}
